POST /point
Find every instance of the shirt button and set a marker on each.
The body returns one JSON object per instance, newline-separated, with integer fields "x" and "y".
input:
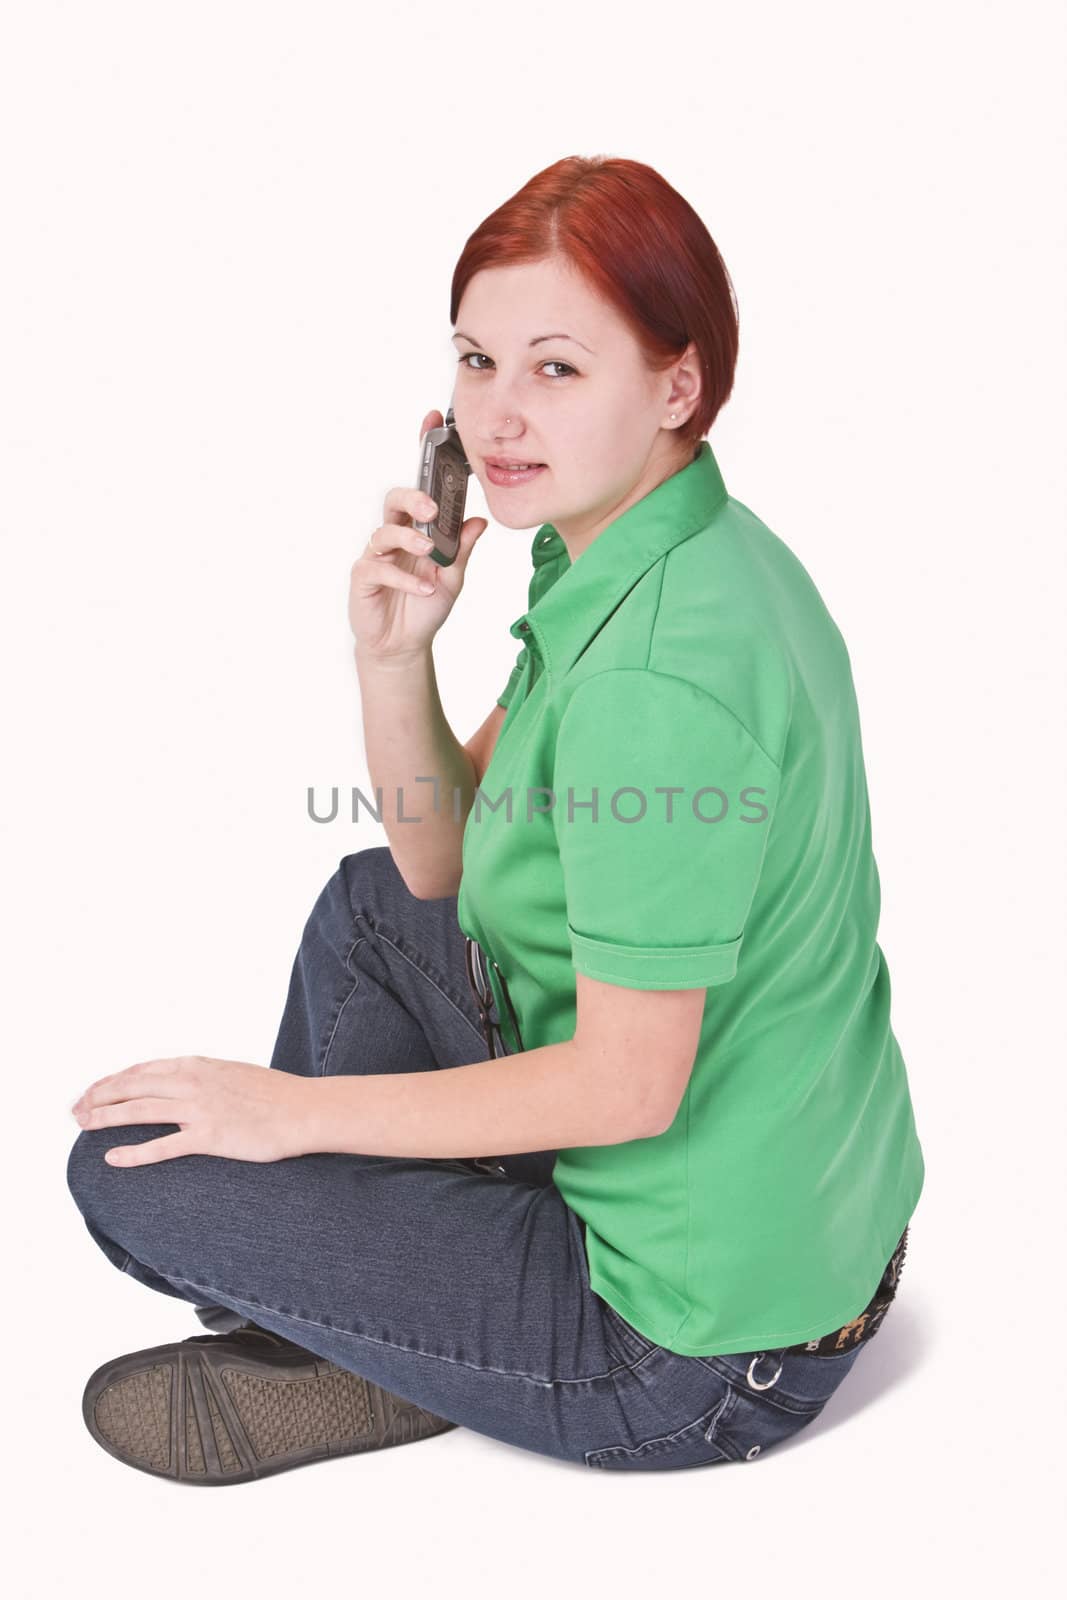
{"x": 524, "y": 627}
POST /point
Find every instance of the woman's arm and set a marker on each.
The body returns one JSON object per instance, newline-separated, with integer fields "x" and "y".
{"x": 426, "y": 776}
{"x": 408, "y": 739}
{"x": 622, "y": 1076}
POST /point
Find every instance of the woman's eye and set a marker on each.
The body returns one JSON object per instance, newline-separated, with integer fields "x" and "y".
{"x": 476, "y": 355}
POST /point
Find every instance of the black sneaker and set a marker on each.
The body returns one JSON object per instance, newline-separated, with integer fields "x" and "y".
{"x": 221, "y": 1408}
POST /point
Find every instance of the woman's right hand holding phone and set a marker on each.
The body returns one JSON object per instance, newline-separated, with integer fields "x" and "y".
{"x": 390, "y": 611}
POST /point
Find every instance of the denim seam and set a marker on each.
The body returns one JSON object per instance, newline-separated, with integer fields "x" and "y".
{"x": 341, "y": 1008}
{"x": 425, "y": 973}
{"x": 660, "y": 1444}
{"x": 349, "y": 1333}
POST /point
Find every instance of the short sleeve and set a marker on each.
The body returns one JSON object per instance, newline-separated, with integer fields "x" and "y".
{"x": 660, "y": 877}
{"x": 509, "y": 688}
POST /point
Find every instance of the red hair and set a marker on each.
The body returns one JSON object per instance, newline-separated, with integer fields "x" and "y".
{"x": 640, "y": 245}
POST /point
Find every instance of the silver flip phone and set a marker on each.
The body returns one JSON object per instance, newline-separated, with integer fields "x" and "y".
{"x": 443, "y": 474}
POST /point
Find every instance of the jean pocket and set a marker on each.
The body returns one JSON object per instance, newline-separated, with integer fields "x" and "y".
{"x": 774, "y": 1395}
{"x": 695, "y": 1444}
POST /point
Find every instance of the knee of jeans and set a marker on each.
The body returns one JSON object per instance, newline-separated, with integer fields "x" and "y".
{"x": 346, "y": 891}
{"x": 87, "y": 1175}
{"x": 87, "y": 1171}
{"x": 101, "y": 1190}
{"x": 365, "y": 871}
{"x": 82, "y": 1162}
{"x": 375, "y": 858}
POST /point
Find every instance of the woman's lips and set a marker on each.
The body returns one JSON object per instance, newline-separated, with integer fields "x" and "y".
{"x": 506, "y": 480}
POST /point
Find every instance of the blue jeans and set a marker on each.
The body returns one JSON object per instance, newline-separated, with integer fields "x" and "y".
{"x": 464, "y": 1290}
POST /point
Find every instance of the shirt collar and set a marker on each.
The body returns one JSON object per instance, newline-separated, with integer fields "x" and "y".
{"x": 586, "y": 591}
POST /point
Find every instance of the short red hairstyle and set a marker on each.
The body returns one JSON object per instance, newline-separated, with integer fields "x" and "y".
{"x": 638, "y": 243}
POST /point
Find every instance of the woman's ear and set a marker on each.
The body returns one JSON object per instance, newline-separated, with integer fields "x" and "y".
{"x": 686, "y": 382}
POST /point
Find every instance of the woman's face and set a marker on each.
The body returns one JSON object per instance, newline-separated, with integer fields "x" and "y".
{"x": 581, "y": 401}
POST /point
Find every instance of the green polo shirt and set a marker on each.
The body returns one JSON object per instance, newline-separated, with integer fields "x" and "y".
{"x": 677, "y": 800}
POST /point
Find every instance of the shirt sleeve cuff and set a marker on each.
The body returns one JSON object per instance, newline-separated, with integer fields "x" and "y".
{"x": 654, "y": 967}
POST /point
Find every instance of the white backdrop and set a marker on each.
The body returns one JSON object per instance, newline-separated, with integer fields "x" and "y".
{"x": 229, "y": 232}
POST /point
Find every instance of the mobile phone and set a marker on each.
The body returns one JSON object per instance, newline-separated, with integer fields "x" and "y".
{"x": 443, "y": 474}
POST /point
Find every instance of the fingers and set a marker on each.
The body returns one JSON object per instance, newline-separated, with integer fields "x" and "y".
{"x": 404, "y": 505}
{"x": 142, "y": 1155}
{"x": 375, "y": 571}
{"x": 118, "y": 1113}
{"x": 472, "y": 530}
{"x": 385, "y": 576}
{"x": 116, "y": 1086}
{"x": 397, "y": 536}
{"x": 469, "y": 535}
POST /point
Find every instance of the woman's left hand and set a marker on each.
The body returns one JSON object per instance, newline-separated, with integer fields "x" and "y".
{"x": 222, "y": 1108}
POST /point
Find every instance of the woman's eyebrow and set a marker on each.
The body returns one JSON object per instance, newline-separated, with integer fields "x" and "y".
{"x": 541, "y": 337}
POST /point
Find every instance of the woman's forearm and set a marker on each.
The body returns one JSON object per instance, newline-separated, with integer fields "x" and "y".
{"x": 426, "y": 778}
{"x": 550, "y": 1098}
